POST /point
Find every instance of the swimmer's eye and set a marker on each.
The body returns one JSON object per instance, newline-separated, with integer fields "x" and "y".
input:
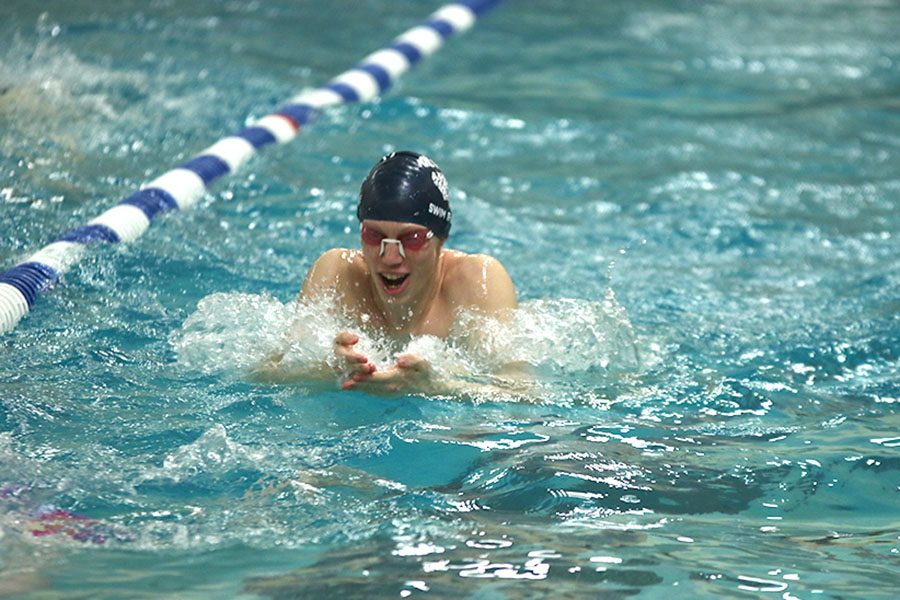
{"x": 371, "y": 237}
{"x": 414, "y": 240}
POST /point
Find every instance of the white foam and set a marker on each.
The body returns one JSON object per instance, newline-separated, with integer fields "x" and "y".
{"x": 211, "y": 453}
{"x": 230, "y": 330}
{"x": 233, "y": 332}
{"x": 558, "y": 336}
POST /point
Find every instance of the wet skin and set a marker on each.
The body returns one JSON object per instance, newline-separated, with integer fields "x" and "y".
{"x": 420, "y": 293}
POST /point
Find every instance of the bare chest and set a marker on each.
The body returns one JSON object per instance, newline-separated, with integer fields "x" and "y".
{"x": 436, "y": 319}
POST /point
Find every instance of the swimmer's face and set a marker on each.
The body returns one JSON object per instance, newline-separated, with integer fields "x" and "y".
{"x": 400, "y": 271}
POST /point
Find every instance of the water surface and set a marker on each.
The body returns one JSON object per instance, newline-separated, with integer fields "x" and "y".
{"x": 697, "y": 202}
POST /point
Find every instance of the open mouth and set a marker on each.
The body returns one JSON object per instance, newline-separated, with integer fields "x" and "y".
{"x": 393, "y": 282}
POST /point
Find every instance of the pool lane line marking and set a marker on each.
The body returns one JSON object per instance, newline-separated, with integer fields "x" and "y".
{"x": 183, "y": 186}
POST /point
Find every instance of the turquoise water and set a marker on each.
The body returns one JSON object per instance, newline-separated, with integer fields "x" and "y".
{"x": 697, "y": 202}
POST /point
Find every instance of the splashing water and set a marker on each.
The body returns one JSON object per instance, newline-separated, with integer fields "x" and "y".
{"x": 724, "y": 424}
{"x": 234, "y": 333}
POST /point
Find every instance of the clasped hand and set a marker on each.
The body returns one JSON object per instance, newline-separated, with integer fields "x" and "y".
{"x": 410, "y": 370}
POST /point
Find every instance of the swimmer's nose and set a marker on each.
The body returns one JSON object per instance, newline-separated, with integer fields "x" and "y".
{"x": 392, "y": 254}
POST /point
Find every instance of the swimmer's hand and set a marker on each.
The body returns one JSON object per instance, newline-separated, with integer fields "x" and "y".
{"x": 350, "y": 364}
{"x": 353, "y": 365}
{"x": 410, "y": 372}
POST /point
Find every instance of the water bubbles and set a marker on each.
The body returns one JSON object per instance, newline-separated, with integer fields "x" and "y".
{"x": 562, "y": 335}
{"x": 213, "y": 452}
{"x": 230, "y": 332}
{"x": 47, "y": 28}
{"x": 236, "y": 333}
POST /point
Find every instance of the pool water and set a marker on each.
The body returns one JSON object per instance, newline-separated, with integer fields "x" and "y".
{"x": 698, "y": 203}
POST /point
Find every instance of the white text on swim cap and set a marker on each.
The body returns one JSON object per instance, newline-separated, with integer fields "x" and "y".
{"x": 438, "y": 211}
{"x": 441, "y": 182}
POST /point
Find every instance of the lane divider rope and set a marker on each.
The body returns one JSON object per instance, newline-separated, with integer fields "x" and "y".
{"x": 183, "y": 186}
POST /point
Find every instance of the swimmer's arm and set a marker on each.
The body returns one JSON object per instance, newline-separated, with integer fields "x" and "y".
{"x": 273, "y": 369}
{"x": 493, "y": 295}
{"x": 324, "y": 279}
{"x": 346, "y": 362}
{"x": 485, "y": 286}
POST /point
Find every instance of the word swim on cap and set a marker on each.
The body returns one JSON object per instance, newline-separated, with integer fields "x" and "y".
{"x": 406, "y": 187}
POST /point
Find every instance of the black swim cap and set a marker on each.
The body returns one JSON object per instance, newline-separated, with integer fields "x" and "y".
{"x": 408, "y": 188}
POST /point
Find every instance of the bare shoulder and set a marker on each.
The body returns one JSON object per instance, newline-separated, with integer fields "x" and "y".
{"x": 333, "y": 271}
{"x": 478, "y": 281}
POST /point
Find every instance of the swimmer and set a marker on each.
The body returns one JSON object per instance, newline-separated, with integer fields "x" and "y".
{"x": 402, "y": 281}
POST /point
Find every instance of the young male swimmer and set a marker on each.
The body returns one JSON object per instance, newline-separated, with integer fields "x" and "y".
{"x": 402, "y": 282}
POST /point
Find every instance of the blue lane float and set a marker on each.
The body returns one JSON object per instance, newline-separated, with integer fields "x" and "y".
{"x": 183, "y": 186}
